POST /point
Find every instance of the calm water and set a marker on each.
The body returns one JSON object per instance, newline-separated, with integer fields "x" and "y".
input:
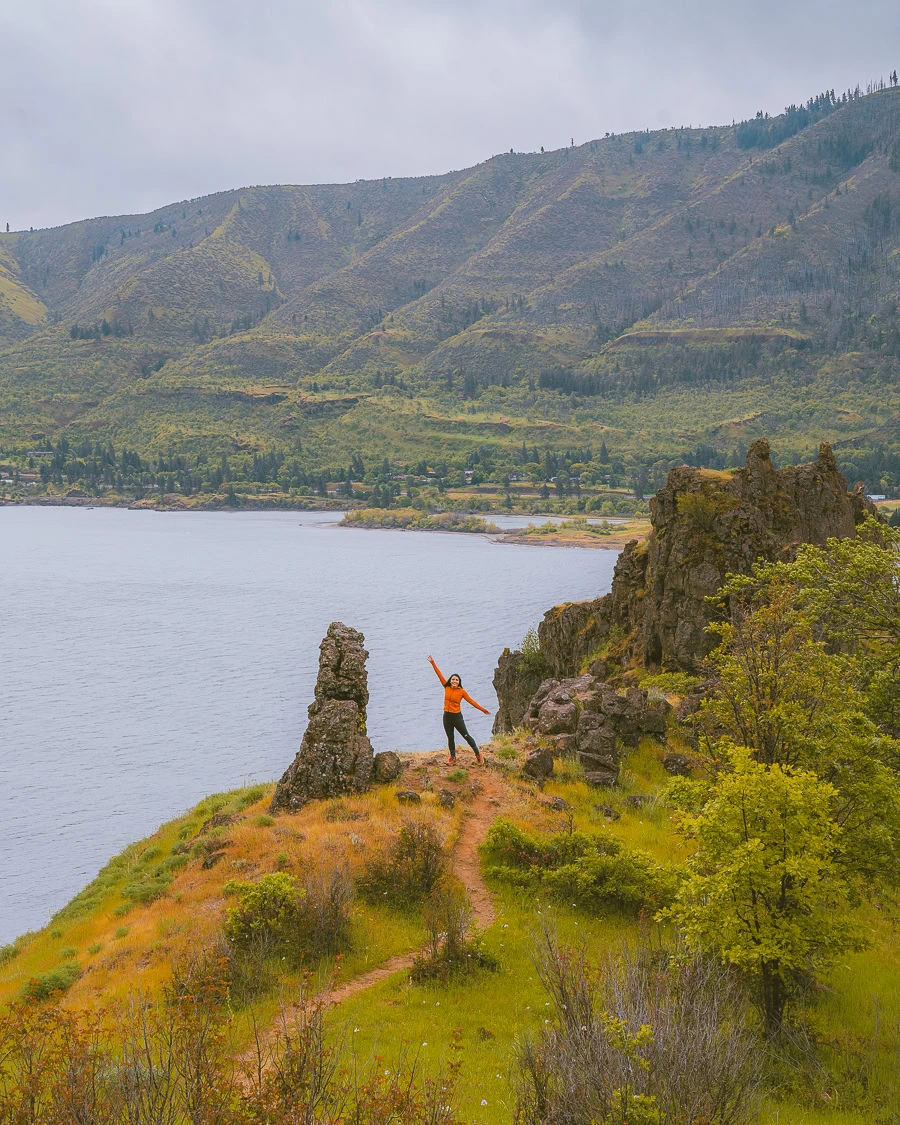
{"x": 148, "y": 659}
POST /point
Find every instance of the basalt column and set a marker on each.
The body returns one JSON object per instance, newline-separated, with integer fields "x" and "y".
{"x": 335, "y": 756}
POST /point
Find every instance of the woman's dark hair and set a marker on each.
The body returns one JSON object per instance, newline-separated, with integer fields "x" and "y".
{"x": 450, "y": 677}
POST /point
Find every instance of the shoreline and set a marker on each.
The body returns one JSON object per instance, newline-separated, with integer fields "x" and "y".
{"x": 513, "y": 536}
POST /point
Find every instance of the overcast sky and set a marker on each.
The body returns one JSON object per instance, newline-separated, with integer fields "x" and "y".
{"x": 120, "y": 106}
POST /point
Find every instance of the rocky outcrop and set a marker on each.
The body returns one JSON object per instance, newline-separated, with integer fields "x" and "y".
{"x": 585, "y": 717}
{"x": 705, "y": 524}
{"x": 515, "y": 682}
{"x": 335, "y": 756}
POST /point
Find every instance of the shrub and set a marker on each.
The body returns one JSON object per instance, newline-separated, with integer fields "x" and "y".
{"x": 94, "y": 948}
{"x": 146, "y": 890}
{"x": 458, "y": 776}
{"x": 532, "y": 654}
{"x": 679, "y": 683}
{"x": 274, "y": 916}
{"x": 593, "y": 870}
{"x": 643, "y": 1037}
{"x": 264, "y": 821}
{"x": 59, "y": 979}
{"x": 265, "y": 909}
{"x": 405, "y": 871}
{"x": 702, "y": 509}
{"x": 451, "y": 950}
{"x": 122, "y": 931}
{"x": 7, "y": 952}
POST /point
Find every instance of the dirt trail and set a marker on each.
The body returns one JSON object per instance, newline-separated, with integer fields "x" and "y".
{"x": 465, "y": 864}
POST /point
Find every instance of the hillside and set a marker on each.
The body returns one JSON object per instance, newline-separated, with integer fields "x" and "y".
{"x": 674, "y": 294}
{"x": 120, "y": 938}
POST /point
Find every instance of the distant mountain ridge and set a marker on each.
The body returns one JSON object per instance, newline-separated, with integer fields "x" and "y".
{"x": 560, "y": 292}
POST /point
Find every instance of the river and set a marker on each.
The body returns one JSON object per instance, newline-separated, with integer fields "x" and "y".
{"x": 148, "y": 659}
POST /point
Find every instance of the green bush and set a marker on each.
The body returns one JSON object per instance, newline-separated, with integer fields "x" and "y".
{"x": 59, "y": 979}
{"x": 532, "y": 655}
{"x": 404, "y": 872}
{"x": 264, "y": 821}
{"x": 452, "y": 950}
{"x": 680, "y": 683}
{"x": 413, "y": 518}
{"x": 7, "y": 952}
{"x": 267, "y": 908}
{"x": 275, "y": 916}
{"x": 592, "y": 870}
{"x": 702, "y": 509}
{"x": 154, "y": 883}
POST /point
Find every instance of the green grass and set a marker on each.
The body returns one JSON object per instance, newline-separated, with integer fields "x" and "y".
{"x": 491, "y": 1009}
{"x": 856, "y": 1078}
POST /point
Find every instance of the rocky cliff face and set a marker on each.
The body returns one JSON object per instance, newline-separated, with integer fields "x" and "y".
{"x": 335, "y": 756}
{"x": 705, "y": 524}
{"x": 515, "y": 683}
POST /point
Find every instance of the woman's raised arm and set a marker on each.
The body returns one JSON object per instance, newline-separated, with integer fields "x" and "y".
{"x": 469, "y": 699}
{"x": 437, "y": 671}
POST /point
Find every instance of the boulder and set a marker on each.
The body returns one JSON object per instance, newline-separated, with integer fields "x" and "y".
{"x": 557, "y": 717}
{"x": 446, "y": 798}
{"x": 595, "y": 734}
{"x": 605, "y": 778}
{"x": 386, "y": 766}
{"x": 335, "y": 756}
{"x": 408, "y": 797}
{"x": 598, "y": 761}
{"x": 571, "y": 633}
{"x": 539, "y": 763}
{"x": 564, "y": 745}
{"x": 605, "y": 810}
{"x": 677, "y": 765}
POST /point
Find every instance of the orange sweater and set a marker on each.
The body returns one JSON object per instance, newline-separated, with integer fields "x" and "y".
{"x": 453, "y": 696}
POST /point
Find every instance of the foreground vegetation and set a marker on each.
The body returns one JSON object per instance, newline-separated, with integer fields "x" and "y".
{"x": 717, "y": 946}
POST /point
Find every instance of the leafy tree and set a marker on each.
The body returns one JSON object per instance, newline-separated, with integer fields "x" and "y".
{"x": 777, "y": 690}
{"x": 765, "y": 888}
{"x": 791, "y": 702}
{"x": 849, "y": 590}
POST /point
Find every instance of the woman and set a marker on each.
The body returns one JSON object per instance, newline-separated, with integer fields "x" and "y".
{"x": 453, "y": 720}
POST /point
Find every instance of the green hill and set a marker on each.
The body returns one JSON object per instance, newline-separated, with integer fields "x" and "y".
{"x": 675, "y": 293}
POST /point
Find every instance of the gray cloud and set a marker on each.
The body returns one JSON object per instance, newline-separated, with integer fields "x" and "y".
{"x": 118, "y": 107}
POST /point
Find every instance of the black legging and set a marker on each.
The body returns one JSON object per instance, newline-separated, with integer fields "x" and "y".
{"x": 453, "y": 721}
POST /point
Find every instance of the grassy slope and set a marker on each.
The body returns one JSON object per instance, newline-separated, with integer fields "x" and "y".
{"x": 492, "y": 1010}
